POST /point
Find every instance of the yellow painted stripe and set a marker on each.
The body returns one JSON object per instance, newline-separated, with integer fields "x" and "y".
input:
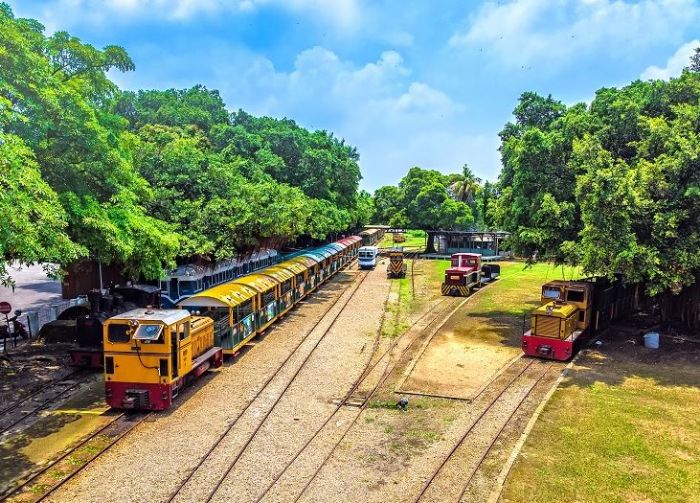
{"x": 77, "y": 411}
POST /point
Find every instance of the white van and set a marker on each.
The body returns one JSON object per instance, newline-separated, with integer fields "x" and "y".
{"x": 368, "y": 257}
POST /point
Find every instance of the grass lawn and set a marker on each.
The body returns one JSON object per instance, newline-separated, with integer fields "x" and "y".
{"x": 625, "y": 427}
{"x": 496, "y": 314}
{"x": 415, "y": 241}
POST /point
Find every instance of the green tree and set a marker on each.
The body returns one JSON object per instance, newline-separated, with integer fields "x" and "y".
{"x": 33, "y": 226}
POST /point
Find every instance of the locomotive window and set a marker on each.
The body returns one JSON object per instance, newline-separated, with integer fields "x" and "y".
{"x": 118, "y": 333}
{"x": 550, "y": 293}
{"x": 183, "y": 329}
{"x": 148, "y": 333}
{"x": 574, "y": 295}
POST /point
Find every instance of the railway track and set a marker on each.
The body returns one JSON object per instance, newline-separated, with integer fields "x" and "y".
{"x": 41, "y": 484}
{"x": 541, "y": 371}
{"x": 487, "y": 450}
{"x": 366, "y": 400}
{"x": 265, "y": 385}
{"x": 40, "y": 399}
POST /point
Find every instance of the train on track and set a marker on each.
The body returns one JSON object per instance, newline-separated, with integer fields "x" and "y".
{"x": 397, "y": 265}
{"x": 368, "y": 257}
{"x": 151, "y": 354}
{"x": 572, "y": 311}
{"x": 466, "y": 273}
{"x": 372, "y": 236}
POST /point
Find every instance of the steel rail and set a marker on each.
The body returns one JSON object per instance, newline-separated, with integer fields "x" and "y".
{"x": 233, "y": 423}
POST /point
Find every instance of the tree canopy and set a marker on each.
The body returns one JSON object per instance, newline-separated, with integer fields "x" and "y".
{"x": 613, "y": 186}
{"x": 424, "y": 199}
{"x": 145, "y": 178}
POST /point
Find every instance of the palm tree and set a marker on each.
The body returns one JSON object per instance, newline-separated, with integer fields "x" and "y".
{"x": 466, "y": 187}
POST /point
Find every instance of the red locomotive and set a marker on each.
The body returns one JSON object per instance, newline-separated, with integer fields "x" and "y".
{"x": 466, "y": 273}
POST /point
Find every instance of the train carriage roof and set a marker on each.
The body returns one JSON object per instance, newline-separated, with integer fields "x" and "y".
{"x": 227, "y": 295}
{"x": 337, "y": 246}
{"x": 324, "y": 252}
{"x": 294, "y": 266}
{"x": 258, "y": 281}
{"x": 350, "y": 240}
{"x": 279, "y": 273}
{"x": 306, "y": 260}
{"x": 315, "y": 255}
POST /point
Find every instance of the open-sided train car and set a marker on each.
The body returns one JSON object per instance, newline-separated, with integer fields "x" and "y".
{"x": 572, "y": 311}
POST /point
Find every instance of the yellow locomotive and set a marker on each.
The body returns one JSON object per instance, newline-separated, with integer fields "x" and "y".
{"x": 571, "y": 311}
{"x": 151, "y": 354}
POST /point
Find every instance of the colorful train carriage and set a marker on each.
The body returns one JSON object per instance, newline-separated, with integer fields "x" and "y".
{"x": 310, "y": 274}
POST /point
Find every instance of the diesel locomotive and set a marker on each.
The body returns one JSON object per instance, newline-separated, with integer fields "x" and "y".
{"x": 466, "y": 273}
{"x": 150, "y": 354}
{"x": 571, "y": 311}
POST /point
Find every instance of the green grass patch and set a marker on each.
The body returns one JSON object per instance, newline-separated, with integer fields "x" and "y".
{"x": 399, "y": 307}
{"x": 497, "y": 313}
{"x": 619, "y": 431}
{"x": 415, "y": 240}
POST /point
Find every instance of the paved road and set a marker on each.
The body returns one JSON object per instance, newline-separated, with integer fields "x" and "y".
{"x": 32, "y": 288}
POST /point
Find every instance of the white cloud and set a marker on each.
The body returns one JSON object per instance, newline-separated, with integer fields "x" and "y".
{"x": 674, "y": 64}
{"x": 521, "y": 32}
{"x": 395, "y": 122}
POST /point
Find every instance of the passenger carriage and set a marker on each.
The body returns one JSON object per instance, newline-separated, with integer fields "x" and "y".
{"x": 310, "y": 274}
{"x": 267, "y": 298}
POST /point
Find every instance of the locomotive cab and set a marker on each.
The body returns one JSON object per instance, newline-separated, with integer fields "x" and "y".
{"x": 151, "y": 354}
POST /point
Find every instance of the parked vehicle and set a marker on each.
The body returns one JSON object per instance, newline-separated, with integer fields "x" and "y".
{"x": 368, "y": 257}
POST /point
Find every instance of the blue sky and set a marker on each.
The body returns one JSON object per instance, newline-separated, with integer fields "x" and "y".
{"x": 408, "y": 83}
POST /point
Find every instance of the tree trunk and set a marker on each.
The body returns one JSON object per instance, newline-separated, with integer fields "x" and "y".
{"x": 431, "y": 243}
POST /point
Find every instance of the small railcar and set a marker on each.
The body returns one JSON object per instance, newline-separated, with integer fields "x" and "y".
{"x": 572, "y": 311}
{"x": 368, "y": 257}
{"x": 397, "y": 265}
{"x": 371, "y": 237}
{"x": 466, "y": 273}
{"x": 151, "y": 354}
